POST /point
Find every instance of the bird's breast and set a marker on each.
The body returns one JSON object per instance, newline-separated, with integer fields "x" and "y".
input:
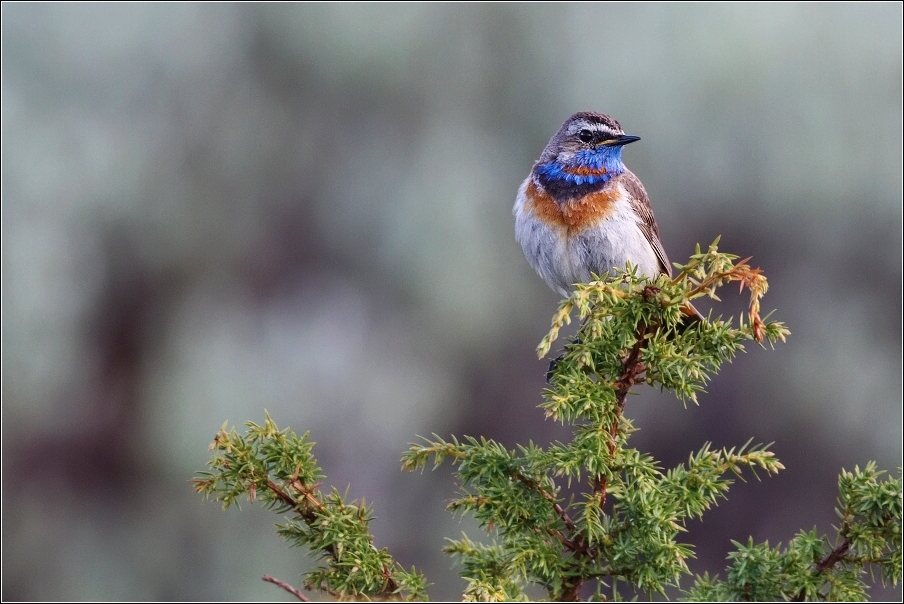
{"x": 576, "y": 213}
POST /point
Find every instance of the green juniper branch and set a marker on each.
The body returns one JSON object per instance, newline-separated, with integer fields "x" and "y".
{"x": 809, "y": 568}
{"x": 625, "y": 524}
{"x": 619, "y": 531}
{"x": 278, "y": 468}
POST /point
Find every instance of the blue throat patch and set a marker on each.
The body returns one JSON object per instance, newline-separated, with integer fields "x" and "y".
{"x": 563, "y": 185}
{"x": 602, "y": 158}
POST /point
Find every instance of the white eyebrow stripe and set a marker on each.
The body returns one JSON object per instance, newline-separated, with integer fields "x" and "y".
{"x": 593, "y": 127}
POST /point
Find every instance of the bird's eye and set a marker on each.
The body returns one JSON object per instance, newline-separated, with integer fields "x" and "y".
{"x": 585, "y": 135}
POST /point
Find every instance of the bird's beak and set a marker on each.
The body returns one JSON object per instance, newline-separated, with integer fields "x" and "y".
{"x": 622, "y": 140}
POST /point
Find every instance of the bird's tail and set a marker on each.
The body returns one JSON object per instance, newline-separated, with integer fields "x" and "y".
{"x": 691, "y": 314}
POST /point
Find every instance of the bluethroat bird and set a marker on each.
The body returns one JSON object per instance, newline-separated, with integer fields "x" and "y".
{"x": 581, "y": 211}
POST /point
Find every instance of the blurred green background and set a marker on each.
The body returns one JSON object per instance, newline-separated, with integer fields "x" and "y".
{"x": 212, "y": 210}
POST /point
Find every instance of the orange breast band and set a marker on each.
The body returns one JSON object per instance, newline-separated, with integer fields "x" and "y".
{"x": 585, "y": 171}
{"x": 575, "y": 214}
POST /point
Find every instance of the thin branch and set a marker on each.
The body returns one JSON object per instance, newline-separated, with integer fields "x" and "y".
{"x": 831, "y": 559}
{"x": 305, "y": 508}
{"x": 631, "y": 369}
{"x": 576, "y": 544}
{"x": 569, "y": 523}
{"x": 292, "y": 590}
{"x": 283, "y": 496}
{"x": 391, "y": 586}
{"x": 571, "y": 593}
{"x": 302, "y": 507}
{"x": 298, "y": 505}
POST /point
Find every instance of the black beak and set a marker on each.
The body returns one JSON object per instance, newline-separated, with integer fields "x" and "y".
{"x": 624, "y": 139}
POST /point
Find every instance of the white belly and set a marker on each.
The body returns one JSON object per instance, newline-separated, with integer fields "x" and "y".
{"x": 563, "y": 257}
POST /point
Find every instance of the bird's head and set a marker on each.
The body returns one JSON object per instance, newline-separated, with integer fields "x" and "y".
{"x": 586, "y": 150}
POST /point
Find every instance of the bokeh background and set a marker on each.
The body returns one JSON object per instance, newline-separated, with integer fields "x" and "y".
{"x": 212, "y": 210}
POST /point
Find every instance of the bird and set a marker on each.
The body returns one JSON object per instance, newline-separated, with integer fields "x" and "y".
{"x": 581, "y": 212}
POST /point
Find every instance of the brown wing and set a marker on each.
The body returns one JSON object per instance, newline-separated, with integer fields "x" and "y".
{"x": 640, "y": 202}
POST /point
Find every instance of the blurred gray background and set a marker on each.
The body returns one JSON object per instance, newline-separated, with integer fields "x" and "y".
{"x": 212, "y": 210}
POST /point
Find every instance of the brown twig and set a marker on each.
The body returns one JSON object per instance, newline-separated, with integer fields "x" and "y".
{"x": 631, "y": 369}
{"x": 831, "y": 559}
{"x": 571, "y": 591}
{"x": 292, "y": 590}
{"x": 284, "y": 497}
{"x": 575, "y": 544}
{"x": 751, "y": 278}
{"x": 305, "y": 507}
{"x": 561, "y": 513}
{"x": 390, "y": 586}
